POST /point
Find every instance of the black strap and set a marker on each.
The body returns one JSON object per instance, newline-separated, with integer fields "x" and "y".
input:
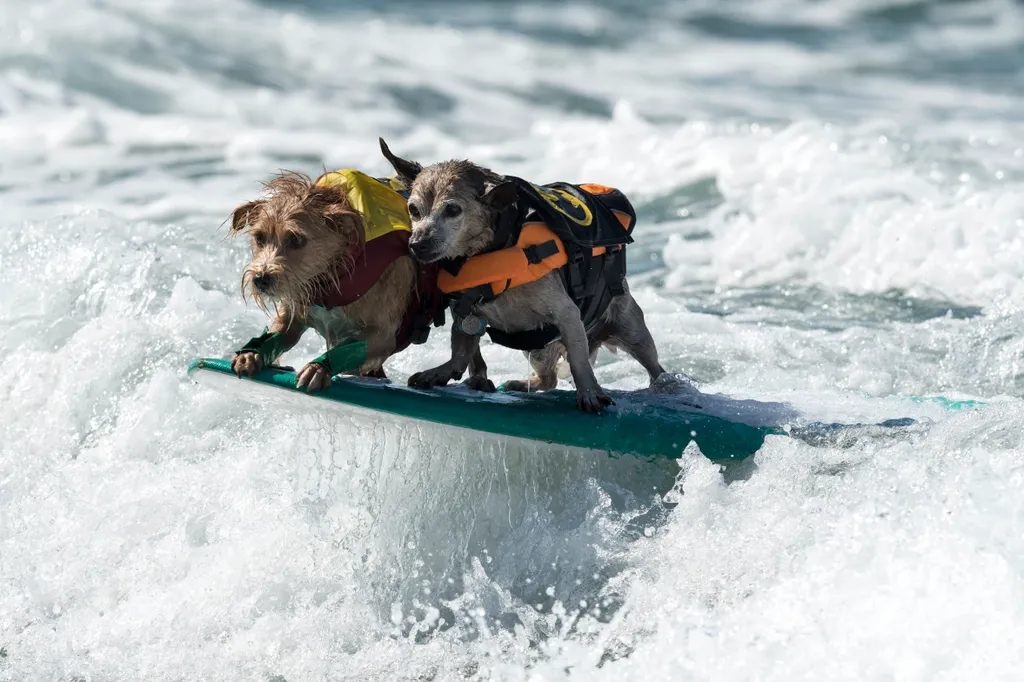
{"x": 532, "y": 339}
{"x": 574, "y": 269}
{"x": 594, "y": 279}
{"x": 463, "y": 304}
{"x": 538, "y": 252}
{"x": 615, "y": 270}
{"x": 453, "y": 265}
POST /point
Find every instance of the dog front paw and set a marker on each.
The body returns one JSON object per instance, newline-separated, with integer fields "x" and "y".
{"x": 246, "y": 363}
{"x": 439, "y": 376}
{"x": 313, "y": 377}
{"x": 480, "y": 383}
{"x": 593, "y": 400}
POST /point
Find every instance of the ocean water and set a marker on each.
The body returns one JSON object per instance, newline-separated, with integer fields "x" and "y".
{"x": 831, "y": 200}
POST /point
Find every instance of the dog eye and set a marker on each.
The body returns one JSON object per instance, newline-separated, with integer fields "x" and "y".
{"x": 295, "y": 241}
{"x": 452, "y": 210}
{"x": 260, "y": 239}
{"x": 414, "y": 212}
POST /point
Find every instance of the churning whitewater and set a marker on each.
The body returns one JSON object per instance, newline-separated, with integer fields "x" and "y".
{"x": 831, "y": 214}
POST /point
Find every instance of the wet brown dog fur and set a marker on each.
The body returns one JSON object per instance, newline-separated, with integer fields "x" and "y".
{"x": 300, "y": 232}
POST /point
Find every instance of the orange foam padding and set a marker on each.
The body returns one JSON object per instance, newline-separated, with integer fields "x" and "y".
{"x": 508, "y": 267}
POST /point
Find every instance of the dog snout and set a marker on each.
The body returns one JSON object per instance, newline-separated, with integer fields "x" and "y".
{"x": 421, "y": 249}
{"x": 262, "y": 281}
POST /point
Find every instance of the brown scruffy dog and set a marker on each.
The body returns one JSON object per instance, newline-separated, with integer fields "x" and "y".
{"x": 455, "y": 208}
{"x": 305, "y": 238}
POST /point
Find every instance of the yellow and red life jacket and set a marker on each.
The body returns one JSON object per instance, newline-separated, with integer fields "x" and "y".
{"x": 580, "y": 230}
{"x": 385, "y": 238}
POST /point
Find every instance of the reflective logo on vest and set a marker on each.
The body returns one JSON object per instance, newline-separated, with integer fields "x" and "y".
{"x": 572, "y": 207}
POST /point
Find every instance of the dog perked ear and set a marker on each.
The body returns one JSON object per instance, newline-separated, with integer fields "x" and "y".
{"x": 407, "y": 170}
{"x": 500, "y": 196}
{"x": 245, "y": 215}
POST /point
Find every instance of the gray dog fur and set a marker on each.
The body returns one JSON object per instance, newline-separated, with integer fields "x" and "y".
{"x": 454, "y": 206}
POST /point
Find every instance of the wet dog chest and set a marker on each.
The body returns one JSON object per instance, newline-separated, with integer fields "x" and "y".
{"x": 517, "y": 310}
{"x": 333, "y": 324}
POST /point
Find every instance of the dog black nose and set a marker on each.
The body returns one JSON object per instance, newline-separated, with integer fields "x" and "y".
{"x": 262, "y": 281}
{"x": 420, "y": 249}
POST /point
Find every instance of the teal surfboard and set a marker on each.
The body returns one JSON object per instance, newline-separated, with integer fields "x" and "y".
{"x": 639, "y": 423}
{"x": 657, "y": 422}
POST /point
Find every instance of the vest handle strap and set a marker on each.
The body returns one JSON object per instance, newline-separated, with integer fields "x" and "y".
{"x": 463, "y": 305}
{"x": 575, "y": 270}
{"x": 538, "y": 252}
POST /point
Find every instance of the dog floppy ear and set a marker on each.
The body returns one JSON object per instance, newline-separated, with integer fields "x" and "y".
{"x": 500, "y": 196}
{"x": 407, "y": 170}
{"x": 244, "y": 215}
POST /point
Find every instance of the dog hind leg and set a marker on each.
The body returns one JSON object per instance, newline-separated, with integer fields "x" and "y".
{"x": 545, "y": 370}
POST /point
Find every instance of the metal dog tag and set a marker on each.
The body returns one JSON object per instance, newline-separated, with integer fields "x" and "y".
{"x": 472, "y": 325}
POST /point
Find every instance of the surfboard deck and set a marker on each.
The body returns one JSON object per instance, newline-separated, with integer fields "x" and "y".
{"x": 645, "y": 424}
{"x": 657, "y": 422}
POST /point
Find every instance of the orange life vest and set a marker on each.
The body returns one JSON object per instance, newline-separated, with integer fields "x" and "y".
{"x": 579, "y": 230}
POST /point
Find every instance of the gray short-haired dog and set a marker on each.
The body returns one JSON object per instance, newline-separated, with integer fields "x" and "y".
{"x": 455, "y": 207}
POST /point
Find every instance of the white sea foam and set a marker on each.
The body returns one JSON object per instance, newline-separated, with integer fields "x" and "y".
{"x": 830, "y": 201}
